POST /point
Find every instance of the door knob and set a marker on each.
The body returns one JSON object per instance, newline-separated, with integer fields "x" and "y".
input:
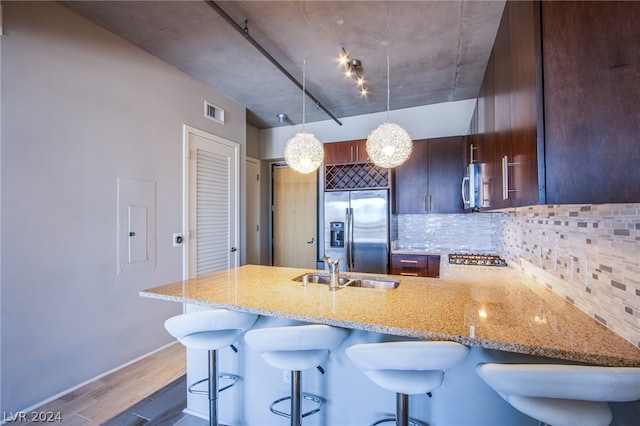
{"x": 313, "y": 240}
{"x": 233, "y": 249}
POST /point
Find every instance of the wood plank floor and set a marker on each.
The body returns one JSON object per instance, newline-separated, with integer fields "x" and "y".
{"x": 108, "y": 397}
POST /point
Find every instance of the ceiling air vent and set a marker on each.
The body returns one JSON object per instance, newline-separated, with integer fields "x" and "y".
{"x": 213, "y": 112}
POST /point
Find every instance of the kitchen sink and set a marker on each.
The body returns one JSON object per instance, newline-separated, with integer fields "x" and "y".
{"x": 350, "y": 281}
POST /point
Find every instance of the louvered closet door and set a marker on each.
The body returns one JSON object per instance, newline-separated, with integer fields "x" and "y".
{"x": 213, "y": 205}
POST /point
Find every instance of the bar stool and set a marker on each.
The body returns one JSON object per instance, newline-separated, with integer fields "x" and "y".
{"x": 296, "y": 348}
{"x": 210, "y": 330}
{"x": 406, "y": 368}
{"x": 563, "y": 395}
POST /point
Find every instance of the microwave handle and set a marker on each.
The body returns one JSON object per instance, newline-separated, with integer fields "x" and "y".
{"x": 465, "y": 200}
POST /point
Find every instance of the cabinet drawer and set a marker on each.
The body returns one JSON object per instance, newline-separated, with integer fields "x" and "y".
{"x": 415, "y": 265}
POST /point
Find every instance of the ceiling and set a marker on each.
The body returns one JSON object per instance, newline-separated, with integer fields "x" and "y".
{"x": 438, "y": 50}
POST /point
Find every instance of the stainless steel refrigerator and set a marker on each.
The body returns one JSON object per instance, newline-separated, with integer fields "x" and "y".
{"x": 356, "y": 229}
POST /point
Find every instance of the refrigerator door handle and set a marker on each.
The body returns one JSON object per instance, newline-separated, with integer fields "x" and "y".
{"x": 349, "y": 242}
{"x": 353, "y": 248}
{"x": 347, "y": 239}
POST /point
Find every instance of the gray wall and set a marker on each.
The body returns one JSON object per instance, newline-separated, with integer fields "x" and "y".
{"x": 81, "y": 108}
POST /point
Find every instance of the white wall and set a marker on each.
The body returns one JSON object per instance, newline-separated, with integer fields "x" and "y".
{"x": 429, "y": 121}
{"x": 80, "y": 108}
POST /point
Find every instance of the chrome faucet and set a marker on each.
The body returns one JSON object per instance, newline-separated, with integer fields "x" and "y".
{"x": 334, "y": 271}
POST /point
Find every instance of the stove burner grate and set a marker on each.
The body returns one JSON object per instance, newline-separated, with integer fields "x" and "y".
{"x": 476, "y": 259}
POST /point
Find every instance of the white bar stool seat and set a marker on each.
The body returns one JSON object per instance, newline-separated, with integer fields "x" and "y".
{"x": 563, "y": 395}
{"x": 210, "y": 330}
{"x": 296, "y": 348}
{"x": 406, "y": 368}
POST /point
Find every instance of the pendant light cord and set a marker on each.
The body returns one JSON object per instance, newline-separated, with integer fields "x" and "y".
{"x": 304, "y": 62}
{"x": 388, "y": 76}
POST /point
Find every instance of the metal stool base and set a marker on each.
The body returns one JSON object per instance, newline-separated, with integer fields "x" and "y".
{"x": 231, "y": 377}
{"x": 306, "y": 396}
{"x": 393, "y": 419}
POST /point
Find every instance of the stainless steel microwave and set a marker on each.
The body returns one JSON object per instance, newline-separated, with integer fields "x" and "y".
{"x": 471, "y": 187}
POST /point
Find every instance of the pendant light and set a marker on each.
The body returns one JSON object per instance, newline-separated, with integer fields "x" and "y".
{"x": 303, "y": 152}
{"x": 389, "y": 145}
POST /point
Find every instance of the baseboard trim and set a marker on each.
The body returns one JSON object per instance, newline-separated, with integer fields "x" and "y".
{"x": 98, "y": 377}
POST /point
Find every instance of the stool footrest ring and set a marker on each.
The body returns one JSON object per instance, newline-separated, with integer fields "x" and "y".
{"x": 306, "y": 396}
{"x": 393, "y": 419}
{"x": 234, "y": 379}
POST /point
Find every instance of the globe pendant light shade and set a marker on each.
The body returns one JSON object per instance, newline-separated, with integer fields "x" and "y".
{"x": 389, "y": 145}
{"x": 304, "y": 153}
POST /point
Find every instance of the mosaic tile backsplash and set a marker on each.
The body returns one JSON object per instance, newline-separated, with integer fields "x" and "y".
{"x": 588, "y": 254}
{"x": 469, "y": 233}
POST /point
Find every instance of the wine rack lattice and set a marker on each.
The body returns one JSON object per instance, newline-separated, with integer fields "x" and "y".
{"x": 355, "y": 176}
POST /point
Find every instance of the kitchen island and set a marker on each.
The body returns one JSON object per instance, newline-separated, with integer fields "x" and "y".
{"x": 492, "y": 308}
{"x": 501, "y": 313}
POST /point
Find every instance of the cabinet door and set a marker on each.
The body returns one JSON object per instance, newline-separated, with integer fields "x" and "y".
{"x": 508, "y": 141}
{"x": 360, "y": 150}
{"x": 485, "y": 152}
{"x": 411, "y": 181}
{"x": 591, "y": 101}
{"x": 337, "y": 153}
{"x": 523, "y": 115}
{"x": 429, "y": 181}
{"x": 502, "y": 176}
{"x": 445, "y": 169}
{"x": 346, "y": 152}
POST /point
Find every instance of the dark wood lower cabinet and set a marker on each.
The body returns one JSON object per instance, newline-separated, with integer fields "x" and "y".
{"x": 415, "y": 265}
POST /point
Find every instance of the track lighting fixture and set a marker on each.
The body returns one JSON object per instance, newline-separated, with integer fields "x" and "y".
{"x": 353, "y": 68}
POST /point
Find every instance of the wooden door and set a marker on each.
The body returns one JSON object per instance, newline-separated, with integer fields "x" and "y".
{"x": 294, "y": 218}
{"x": 253, "y": 212}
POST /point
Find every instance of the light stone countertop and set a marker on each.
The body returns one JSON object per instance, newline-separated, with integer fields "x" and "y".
{"x": 489, "y": 307}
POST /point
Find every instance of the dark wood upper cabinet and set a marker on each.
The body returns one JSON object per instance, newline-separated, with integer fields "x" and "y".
{"x": 558, "y": 115}
{"x": 591, "y": 101}
{"x": 346, "y": 152}
{"x": 505, "y": 137}
{"x": 429, "y": 181}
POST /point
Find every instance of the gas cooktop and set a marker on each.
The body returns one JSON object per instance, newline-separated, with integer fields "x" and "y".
{"x": 476, "y": 259}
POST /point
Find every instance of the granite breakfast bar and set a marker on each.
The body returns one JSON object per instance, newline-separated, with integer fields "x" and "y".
{"x": 501, "y": 313}
{"x": 493, "y": 308}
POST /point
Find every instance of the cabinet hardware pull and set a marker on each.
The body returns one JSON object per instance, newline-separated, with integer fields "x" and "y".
{"x": 407, "y": 274}
{"x": 471, "y": 149}
{"x": 505, "y": 177}
{"x": 427, "y": 203}
{"x": 408, "y": 261}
